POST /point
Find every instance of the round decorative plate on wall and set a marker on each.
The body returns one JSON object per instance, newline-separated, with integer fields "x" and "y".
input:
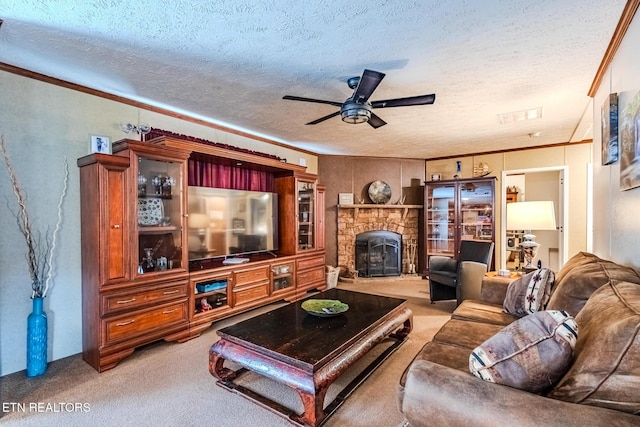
{"x": 379, "y": 192}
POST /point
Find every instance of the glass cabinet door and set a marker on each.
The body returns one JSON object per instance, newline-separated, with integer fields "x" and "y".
{"x": 306, "y": 214}
{"x": 441, "y": 220}
{"x": 159, "y": 214}
{"x": 282, "y": 276}
{"x": 476, "y": 208}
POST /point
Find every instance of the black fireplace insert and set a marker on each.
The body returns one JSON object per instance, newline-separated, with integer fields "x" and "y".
{"x": 379, "y": 254}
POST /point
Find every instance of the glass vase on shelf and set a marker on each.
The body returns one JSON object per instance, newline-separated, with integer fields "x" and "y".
{"x": 142, "y": 185}
{"x": 157, "y": 184}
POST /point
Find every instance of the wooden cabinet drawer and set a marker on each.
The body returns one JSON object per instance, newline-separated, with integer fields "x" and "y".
{"x": 251, "y": 293}
{"x": 244, "y": 277}
{"x": 310, "y": 276}
{"x": 114, "y": 302}
{"x": 311, "y": 262}
{"x": 142, "y": 322}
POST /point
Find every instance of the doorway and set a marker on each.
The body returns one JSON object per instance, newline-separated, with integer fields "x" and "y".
{"x": 534, "y": 185}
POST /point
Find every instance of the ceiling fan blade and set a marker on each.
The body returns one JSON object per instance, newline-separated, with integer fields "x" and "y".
{"x": 322, "y": 119}
{"x": 318, "y": 101}
{"x": 376, "y": 121}
{"x": 405, "y": 102}
{"x": 368, "y": 83}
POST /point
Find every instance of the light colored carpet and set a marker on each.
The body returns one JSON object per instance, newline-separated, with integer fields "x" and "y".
{"x": 169, "y": 384}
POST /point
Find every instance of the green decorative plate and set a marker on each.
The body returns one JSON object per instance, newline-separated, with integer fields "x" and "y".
{"x": 324, "y": 307}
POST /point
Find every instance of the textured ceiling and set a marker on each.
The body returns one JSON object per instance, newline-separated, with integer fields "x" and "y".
{"x": 230, "y": 62}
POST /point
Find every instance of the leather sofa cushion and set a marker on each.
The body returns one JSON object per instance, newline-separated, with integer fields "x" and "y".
{"x": 478, "y": 311}
{"x": 530, "y": 293}
{"x": 581, "y": 276}
{"x": 531, "y": 354}
{"x": 467, "y": 335}
{"x": 495, "y": 290}
{"x": 450, "y": 355}
{"x": 606, "y": 370}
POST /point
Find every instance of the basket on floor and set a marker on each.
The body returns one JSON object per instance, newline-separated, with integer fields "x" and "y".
{"x": 332, "y": 276}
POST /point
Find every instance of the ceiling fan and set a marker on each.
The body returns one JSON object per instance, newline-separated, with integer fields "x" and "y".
{"x": 357, "y": 108}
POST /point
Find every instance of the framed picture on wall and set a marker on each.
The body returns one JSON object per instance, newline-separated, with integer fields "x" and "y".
{"x": 100, "y": 144}
{"x": 630, "y": 144}
{"x": 345, "y": 198}
{"x": 609, "y": 117}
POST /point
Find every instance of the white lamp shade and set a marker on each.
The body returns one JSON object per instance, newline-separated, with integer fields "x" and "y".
{"x": 199, "y": 220}
{"x": 537, "y": 215}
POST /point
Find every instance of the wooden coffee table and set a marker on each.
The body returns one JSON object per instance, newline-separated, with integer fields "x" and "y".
{"x": 309, "y": 353}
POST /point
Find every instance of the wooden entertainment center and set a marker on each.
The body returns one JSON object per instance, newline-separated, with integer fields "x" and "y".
{"x": 138, "y": 283}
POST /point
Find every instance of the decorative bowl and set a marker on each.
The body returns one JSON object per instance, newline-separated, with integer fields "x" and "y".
{"x": 324, "y": 307}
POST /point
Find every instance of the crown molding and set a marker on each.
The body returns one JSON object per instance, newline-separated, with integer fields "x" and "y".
{"x": 618, "y": 35}
{"x": 95, "y": 92}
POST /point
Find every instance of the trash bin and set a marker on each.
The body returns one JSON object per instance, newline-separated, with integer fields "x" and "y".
{"x": 332, "y": 276}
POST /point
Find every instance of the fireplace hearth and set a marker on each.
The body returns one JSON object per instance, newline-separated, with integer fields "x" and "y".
{"x": 378, "y": 254}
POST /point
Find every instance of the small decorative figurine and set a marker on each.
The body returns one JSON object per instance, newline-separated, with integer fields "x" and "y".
{"x": 205, "y": 304}
{"x": 458, "y": 169}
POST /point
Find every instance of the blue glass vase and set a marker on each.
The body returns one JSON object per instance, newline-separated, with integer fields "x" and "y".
{"x": 37, "y": 340}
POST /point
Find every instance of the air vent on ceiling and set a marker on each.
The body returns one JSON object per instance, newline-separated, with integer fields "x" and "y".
{"x": 519, "y": 116}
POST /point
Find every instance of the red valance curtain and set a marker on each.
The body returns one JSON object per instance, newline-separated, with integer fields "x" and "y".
{"x": 204, "y": 173}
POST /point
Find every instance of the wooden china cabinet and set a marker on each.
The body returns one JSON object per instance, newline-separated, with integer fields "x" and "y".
{"x": 138, "y": 283}
{"x": 456, "y": 210}
{"x": 300, "y": 233}
{"x": 134, "y": 268}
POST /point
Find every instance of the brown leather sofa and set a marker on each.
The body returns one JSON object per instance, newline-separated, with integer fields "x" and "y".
{"x": 602, "y": 386}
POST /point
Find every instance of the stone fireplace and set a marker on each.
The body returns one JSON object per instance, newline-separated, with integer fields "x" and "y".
{"x": 352, "y": 221}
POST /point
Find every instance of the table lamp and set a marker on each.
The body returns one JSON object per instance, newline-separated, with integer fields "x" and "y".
{"x": 200, "y": 222}
{"x": 528, "y": 216}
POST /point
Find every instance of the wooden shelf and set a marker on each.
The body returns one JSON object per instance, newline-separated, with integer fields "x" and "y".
{"x": 157, "y": 228}
{"x": 356, "y": 208}
{"x": 380, "y": 206}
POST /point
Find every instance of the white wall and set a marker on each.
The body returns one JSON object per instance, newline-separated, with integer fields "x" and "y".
{"x": 545, "y": 186}
{"x": 42, "y": 124}
{"x": 615, "y": 220}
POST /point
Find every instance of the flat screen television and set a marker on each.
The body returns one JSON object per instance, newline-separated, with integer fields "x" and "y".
{"x": 228, "y": 223}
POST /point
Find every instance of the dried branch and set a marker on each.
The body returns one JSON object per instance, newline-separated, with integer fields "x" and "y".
{"x": 49, "y": 263}
{"x": 39, "y": 252}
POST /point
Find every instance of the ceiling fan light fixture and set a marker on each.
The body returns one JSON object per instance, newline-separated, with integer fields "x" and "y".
{"x": 357, "y": 108}
{"x": 355, "y": 113}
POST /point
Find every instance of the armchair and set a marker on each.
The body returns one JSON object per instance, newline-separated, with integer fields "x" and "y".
{"x": 460, "y": 279}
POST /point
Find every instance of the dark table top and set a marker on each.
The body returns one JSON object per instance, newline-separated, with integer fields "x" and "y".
{"x": 292, "y": 335}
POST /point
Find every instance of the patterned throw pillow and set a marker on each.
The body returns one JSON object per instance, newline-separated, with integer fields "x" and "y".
{"x": 530, "y": 293}
{"x": 531, "y": 354}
